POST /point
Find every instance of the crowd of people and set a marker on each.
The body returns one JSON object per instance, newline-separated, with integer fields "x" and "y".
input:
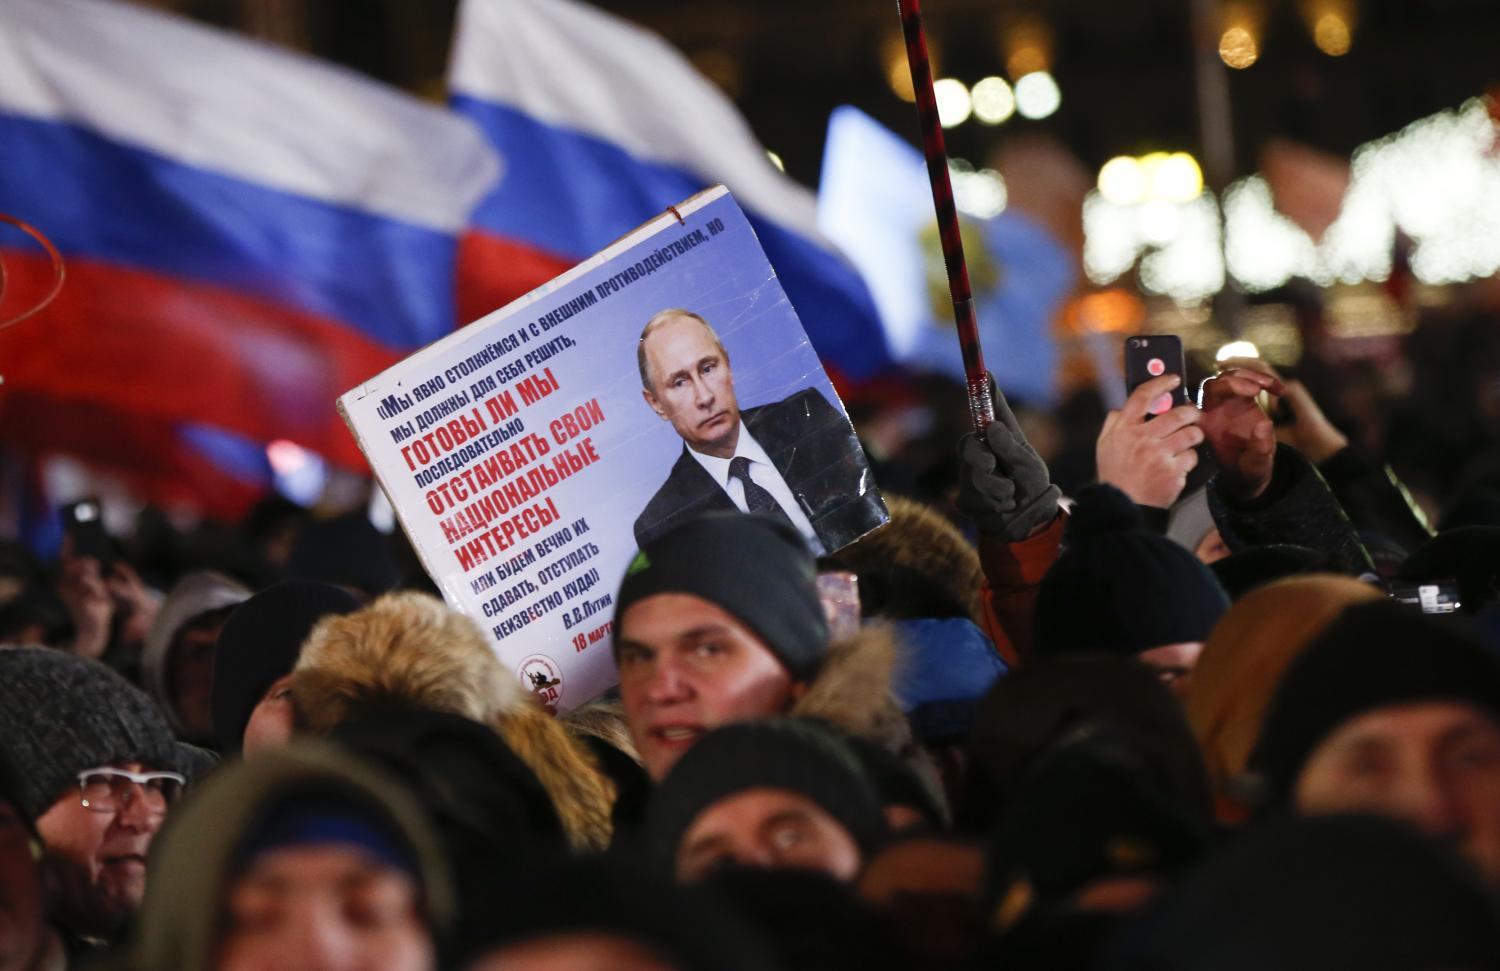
{"x": 1233, "y": 704}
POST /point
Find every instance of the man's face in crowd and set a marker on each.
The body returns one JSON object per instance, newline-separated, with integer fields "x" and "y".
{"x": 1435, "y": 765}
{"x": 328, "y": 907}
{"x": 770, "y": 828}
{"x": 97, "y": 860}
{"x": 23, "y": 931}
{"x": 273, "y": 720}
{"x": 688, "y": 667}
{"x": 692, "y": 386}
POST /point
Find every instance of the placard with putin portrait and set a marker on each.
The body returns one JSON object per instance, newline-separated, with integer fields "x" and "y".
{"x": 532, "y": 453}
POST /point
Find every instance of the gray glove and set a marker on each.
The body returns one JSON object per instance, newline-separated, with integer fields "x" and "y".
{"x": 1005, "y": 486}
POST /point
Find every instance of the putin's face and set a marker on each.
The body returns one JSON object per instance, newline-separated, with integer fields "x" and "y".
{"x": 692, "y": 386}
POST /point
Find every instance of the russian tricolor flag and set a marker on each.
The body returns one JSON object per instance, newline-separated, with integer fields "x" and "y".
{"x": 602, "y": 126}
{"x": 248, "y": 233}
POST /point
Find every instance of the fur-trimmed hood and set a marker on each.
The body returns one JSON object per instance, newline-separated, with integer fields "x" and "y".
{"x": 916, "y": 565}
{"x": 852, "y": 690}
{"x": 411, "y": 649}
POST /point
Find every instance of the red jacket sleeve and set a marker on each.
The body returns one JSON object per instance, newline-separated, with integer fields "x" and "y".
{"x": 1012, "y": 574}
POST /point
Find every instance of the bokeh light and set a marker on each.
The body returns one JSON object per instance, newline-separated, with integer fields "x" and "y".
{"x": 994, "y": 101}
{"x": 980, "y": 194}
{"x": 1331, "y": 34}
{"x": 897, "y": 70}
{"x": 1122, "y": 182}
{"x": 1237, "y": 48}
{"x": 954, "y": 103}
{"x": 1177, "y": 178}
{"x": 1037, "y": 95}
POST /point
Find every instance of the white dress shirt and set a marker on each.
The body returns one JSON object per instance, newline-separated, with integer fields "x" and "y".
{"x": 763, "y": 472}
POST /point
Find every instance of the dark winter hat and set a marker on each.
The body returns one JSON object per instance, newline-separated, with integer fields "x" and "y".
{"x": 754, "y": 567}
{"x": 1307, "y": 894}
{"x": 487, "y": 805}
{"x": 687, "y": 929}
{"x": 330, "y": 818}
{"x": 61, "y": 714}
{"x": 775, "y": 754}
{"x": 1373, "y": 656}
{"x": 1090, "y": 807}
{"x": 1120, "y": 588}
{"x": 260, "y": 643}
{"x": 1470, "y": 555}
{"x": 1031, "y": 709}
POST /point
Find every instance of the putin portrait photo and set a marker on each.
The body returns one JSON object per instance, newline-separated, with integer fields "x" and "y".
{"x": 796, "y": 459}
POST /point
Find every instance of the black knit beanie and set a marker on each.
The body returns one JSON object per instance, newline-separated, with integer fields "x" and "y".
{"x": 61, "y": 714}
{"x": 774, "y": 754}
{"x": 1120, "y": 588}
{"x": 754, "y": 567}
{"x": 260, "y": 643}
{"x": 1373, "y": 656}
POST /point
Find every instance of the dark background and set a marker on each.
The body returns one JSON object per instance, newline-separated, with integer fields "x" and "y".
{"x": 1124, "y": 66}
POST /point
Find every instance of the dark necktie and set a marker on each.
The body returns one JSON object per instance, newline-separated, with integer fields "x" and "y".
{"x": 757, "y": 498}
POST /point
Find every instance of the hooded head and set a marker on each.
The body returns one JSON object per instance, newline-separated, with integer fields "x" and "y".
{"x": 177, "y": 661}
{"x": 412, "y": 651}
{"x": 308, "y": 820}
{"x": 1245, "y": 657}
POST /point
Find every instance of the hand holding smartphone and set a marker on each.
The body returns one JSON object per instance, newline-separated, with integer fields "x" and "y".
{"x": 1151, "y": 356}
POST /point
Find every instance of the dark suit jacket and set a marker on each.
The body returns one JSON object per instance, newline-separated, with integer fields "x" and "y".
{"x": 812, "y": 446}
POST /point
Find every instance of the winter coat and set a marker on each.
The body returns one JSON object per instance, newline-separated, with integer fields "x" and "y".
{"x": 1375, "y": 499}
{"x": 411, "y": 649}
{"x": 1298, "y": 508}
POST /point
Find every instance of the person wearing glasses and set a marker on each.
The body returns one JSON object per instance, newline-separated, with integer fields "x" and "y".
{"x": 96, "y": 769}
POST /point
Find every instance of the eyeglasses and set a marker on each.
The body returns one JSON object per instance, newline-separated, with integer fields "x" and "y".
{"x": 108, "y": 790}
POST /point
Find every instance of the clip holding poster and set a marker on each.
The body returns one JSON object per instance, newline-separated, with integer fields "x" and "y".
{"x": 529, "y": 455}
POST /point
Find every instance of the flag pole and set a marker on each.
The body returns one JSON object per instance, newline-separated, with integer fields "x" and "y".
{"x": 981, "y": 405}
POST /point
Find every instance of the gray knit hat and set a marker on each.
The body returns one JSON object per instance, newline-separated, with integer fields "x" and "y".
{"x": 61, "y": 714}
